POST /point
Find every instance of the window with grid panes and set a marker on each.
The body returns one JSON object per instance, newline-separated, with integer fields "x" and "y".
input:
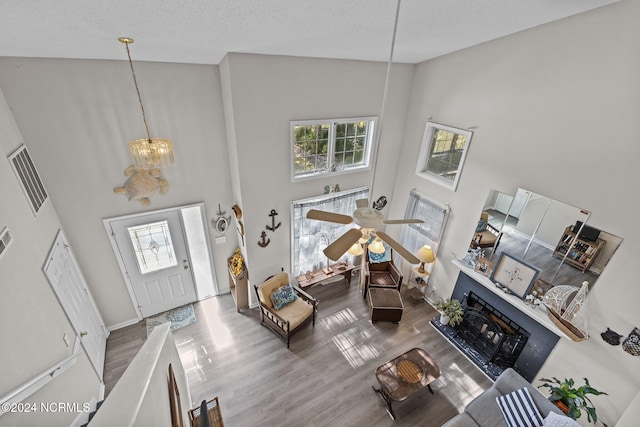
{"x": 321, "y": 147}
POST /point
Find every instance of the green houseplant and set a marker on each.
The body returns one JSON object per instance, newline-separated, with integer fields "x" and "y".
{"x": 451, "y": 311}
{"x": 574, "y": 399}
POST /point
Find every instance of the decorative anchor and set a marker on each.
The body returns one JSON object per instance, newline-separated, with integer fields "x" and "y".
{"x": 273, "y": 221}
{"x": 265, "y": 241}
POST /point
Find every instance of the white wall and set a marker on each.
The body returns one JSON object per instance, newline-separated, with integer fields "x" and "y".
{"x": 32, "y": 322}
{"x": 556, "y": 109}
{"x": 265, "y": 94}
{"x": 78, "y": 117}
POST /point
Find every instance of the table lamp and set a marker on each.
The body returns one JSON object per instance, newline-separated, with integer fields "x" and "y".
{"x": 426, "y": 256}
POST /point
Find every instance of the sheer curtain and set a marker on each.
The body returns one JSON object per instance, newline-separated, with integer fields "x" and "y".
{"x": 430, "y": 232}
{"x": 309, "y": 237}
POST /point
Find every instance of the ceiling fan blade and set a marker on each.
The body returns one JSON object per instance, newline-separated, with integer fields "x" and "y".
{"x": 329, "y": 217}
{"x": 335, "y": 250}
{"x": 403, "y": 221}
{"x": 411, "y": 259}
{"x": 362, "y": 203}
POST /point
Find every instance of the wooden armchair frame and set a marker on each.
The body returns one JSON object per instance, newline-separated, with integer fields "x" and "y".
{"x": 278, "y": 323}
{"x": 393, "y": 273}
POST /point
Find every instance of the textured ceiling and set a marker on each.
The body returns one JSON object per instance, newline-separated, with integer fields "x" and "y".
{"x": 203, "y": 31}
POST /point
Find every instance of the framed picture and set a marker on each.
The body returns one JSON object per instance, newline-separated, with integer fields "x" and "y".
{"x": 514, "y": 274}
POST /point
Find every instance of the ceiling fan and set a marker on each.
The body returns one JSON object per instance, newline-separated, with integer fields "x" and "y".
{"x": 369, "y": 220}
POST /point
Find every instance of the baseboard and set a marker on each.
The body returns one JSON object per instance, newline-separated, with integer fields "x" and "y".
{"x": 122, "y": 324}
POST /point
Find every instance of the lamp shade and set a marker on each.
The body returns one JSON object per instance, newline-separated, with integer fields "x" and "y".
{"x": 356, "y": 249}
{"x": 377, "y": 247}
{"x": 425, "y": 254}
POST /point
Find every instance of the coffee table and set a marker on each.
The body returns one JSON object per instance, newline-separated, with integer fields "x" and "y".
{"x": 405, "y": 375}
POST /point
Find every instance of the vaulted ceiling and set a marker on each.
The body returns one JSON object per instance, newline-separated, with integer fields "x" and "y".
{"x": 203, "y": 31}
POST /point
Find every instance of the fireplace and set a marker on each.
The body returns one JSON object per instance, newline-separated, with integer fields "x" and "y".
{"x": 495, "y": 334}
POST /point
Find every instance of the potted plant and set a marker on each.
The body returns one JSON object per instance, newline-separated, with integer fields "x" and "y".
{"x": 451, "y": 311}
{"x": 564, "y": 393}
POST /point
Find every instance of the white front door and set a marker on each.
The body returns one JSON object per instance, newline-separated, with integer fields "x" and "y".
{"x": 70, "y": 287}
{"x": 156, "y": 260}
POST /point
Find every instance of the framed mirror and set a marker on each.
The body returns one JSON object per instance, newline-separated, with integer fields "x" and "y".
{"x": 442, "y": 155}
{"x": 550, "y": 235}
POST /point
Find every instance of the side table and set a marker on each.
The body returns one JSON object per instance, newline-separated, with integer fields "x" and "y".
{"x": 418, "y": 281}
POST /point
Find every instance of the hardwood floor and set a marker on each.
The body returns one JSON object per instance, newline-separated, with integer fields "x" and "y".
{"x": 324, "y": 379}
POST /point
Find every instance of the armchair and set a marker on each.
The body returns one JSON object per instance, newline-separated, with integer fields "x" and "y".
{"x": 381, "y": 275}
{"x": 288, "y": 319}
{"x": 486, "y": 234}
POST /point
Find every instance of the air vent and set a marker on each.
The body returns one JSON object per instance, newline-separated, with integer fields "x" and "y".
{"x": 5, "y": 240}
{"x": 28, "y": 176}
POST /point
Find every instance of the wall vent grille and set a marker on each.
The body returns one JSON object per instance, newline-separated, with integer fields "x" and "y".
{"x": 5, "y": 240}
{"x": 28, "y": 176}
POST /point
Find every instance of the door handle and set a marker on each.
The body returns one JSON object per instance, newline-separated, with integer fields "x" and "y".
{"x": 82, "y": 334}
{"x": 185, "y": 264}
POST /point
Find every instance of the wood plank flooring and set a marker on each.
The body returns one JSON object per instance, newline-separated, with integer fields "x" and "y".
{"x": 324, "y": 379}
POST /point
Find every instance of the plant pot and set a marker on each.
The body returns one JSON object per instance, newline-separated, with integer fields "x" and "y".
{"x": 562, "y": 406}
{"x": 444, "y": 319}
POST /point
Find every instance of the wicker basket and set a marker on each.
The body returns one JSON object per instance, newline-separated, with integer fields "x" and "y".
{"x": 213, "y": 411}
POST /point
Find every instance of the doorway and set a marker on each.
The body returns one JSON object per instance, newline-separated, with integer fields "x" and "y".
{"x": 67, "y": 281}
{"x": 164, "y": 256}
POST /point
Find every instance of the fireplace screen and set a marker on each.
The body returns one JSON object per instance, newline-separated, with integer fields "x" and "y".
{"x": 491, "y": 333}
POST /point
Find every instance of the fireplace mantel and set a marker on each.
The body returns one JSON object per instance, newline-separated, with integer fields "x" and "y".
{"x": 539, "y": 314}
{"x": 543, "y": 333}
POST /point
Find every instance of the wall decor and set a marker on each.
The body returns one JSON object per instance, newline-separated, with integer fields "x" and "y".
{"x": 631, "y": 344}
{"x": 331, "y": 189}
{"x": 380, "y": 203}
{"x": 273, "y": 227}
{"x": 241, "y": 231}
{"x": 221, "y": 223}
{"x": 142, "y": 183}
{"x": 264, "y": 242}
{"x": 611, "y": 337}
{"x": 514, "y": 274}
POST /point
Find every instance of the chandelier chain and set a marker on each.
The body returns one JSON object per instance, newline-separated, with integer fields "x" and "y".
{"x": 135, "y": 82}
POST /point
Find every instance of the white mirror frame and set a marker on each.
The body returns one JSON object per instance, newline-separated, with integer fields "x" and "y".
{"x": 425, "y": 155}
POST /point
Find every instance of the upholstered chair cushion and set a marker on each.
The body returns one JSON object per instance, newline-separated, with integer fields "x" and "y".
{"x": 270, "y": 285}
{"x": 296, "y": 312}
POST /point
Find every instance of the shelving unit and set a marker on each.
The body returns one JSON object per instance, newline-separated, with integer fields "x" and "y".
{"x": 239, "y": 286}
{"x": 582, "y": 253}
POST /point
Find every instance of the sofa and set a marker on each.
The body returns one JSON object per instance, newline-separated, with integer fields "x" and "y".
{"x": 484, "y": 410}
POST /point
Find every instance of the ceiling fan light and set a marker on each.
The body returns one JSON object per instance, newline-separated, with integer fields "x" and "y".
{"x": 356, "y": 249}
{"x": 377, "y": 247}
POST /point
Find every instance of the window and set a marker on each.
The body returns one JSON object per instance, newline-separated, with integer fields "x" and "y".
{"x": 442, "y": 155}
{"x": 322, "y": 147}
{"x": 309, "y": 237}
{"x": 153, "y": 246}
{"x": 430, "y": 232}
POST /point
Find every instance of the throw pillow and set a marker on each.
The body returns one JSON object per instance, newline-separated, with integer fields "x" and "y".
{"x": 282, "y": 296}
{"x": 557, "y": 420}
{"x": 519, "y": 410}
{"x": 482, "y": 226}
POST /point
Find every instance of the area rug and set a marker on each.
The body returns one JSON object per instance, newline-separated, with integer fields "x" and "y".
{"x": 178, "y": 317}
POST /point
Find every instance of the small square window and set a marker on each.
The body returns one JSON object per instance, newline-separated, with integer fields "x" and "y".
{"x": 442, "y": 155}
